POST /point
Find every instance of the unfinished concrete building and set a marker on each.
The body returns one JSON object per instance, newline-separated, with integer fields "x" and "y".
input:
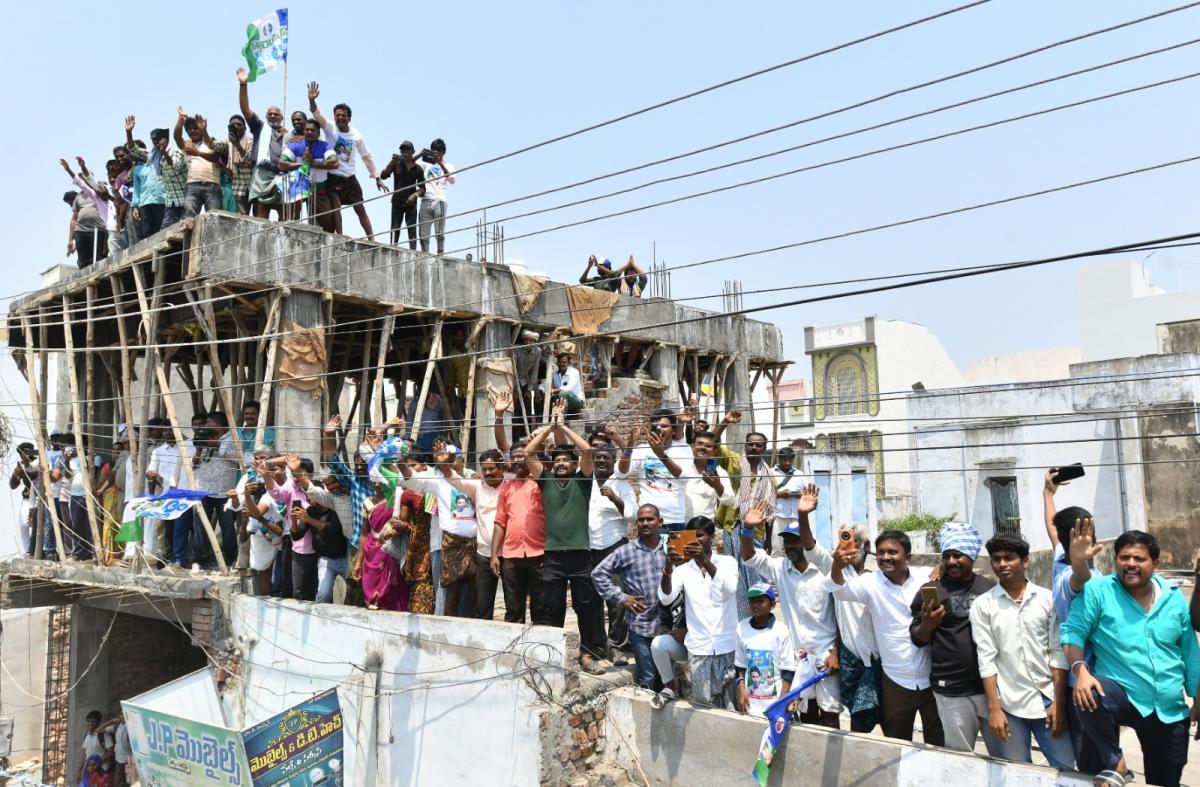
{"x": 221, "y": 310}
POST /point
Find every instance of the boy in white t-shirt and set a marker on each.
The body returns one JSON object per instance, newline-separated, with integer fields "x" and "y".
{"x": 765, "y": 658}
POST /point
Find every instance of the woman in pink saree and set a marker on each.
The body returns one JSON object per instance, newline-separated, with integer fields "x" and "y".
{"x": 382, "y": 575}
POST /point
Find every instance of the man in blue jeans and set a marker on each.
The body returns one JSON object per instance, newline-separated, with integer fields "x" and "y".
{"x": 1146, "y": 659}
{"x": 1024, "y": 673}
{"x": 640, "y": 566}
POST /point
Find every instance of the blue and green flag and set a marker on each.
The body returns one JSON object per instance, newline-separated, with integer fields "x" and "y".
{"x": 779, "y": 719}
{"x": 266, "y": 43}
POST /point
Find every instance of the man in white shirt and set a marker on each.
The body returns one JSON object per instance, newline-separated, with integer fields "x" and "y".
{"x": 708, "y": 485}
{"x": 658, "y": 466}
{"x": 804, "y": 601}
{"x": 565, "y": 384}
{"x": 162, "y": 473}
{"x": 858, "y": 656}
{"x": 346, "y": 141}
{"x": 484, "y": 492}
{"x": 610, "y": 508}
{"x": 791, "y": 485}
{"x": 1024, "y": 669}
{"x": 438, "y": 174}
{"x": 708, "y": 583}
{"x": 888, "y": 594}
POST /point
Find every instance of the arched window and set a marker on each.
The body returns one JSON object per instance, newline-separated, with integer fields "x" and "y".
{"x": 846, "y": 385}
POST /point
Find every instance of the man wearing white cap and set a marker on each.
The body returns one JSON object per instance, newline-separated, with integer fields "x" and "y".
{"x": 945, "y": 625}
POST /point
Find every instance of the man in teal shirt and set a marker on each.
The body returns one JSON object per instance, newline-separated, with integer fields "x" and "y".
{"x": 1146, "y": 659}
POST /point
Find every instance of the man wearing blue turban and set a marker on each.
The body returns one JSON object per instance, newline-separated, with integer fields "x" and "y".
{"x": 945, "y": 626}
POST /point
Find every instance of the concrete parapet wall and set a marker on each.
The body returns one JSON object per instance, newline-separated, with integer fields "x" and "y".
{"x": 684, "y": 745}
{"x": 427, "y": 700}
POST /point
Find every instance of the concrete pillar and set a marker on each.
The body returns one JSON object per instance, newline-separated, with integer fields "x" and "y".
{"x": 737, "y": 395}
{"x": 89, "y": 675}
{"x": 494, "y": 341}
{"x": 664, "y": 367}
{"x": 298, "y": 413}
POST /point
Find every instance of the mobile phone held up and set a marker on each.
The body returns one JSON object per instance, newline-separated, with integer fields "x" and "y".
{"x": 929, "y": 597}
{"x": 1069, "y": 473}
{"x": 677, "y": 541}
{"x": 846, "y": 536}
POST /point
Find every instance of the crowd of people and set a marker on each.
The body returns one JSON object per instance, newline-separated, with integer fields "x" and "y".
{"x": 674, "y": 548}
{"x": 255, "y": 168}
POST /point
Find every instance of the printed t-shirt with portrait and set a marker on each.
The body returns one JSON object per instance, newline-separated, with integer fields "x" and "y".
{"x": 765, "y": 654}
{"x": 656, "y": 485}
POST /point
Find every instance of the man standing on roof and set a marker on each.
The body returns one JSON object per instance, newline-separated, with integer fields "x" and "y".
{"x": 343, "y": 183}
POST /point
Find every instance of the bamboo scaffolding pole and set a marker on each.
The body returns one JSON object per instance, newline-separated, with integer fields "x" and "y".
{"x": 85, "y": 465}
{"x": 435, "y": 352}
{"x": 39, "y": 415}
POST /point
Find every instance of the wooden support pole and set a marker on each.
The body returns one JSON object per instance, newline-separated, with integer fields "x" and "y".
{"x": 385, "y": 340}
{"x": 126, "y": 373}
{"x": 753, "y": 385}
{"x": 186, "y": 462}
{"x": 169, "y": 404}
{"x": 85, "y": 465}
{"x": 89, "y": 377}
{"x": 470, "y": 346}
{"x": 435, "y": 352}
{"x": 328, "y": 394}
{"x": 264, "y": 343}
{"x": 208, "y": 322}
{"x": 39, "y": 427}
{"x": 546, "y": 400}
{"x": 775, "y": 379}
{"x": 364, "y": 388}
{"x": 150, "y": 312}
{"x": 269, "y": 371}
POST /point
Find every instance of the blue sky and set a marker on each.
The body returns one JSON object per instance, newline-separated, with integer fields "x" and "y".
{"x": 490, "y": 78}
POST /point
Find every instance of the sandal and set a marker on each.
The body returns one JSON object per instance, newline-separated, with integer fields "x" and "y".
{"x": 592, "y": 667}
{"x": 662, "y": 698}
{"x": 1113, "y": 778}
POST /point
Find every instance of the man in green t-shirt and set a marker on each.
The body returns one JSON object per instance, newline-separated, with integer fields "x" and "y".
{"x": 566, "y": 491}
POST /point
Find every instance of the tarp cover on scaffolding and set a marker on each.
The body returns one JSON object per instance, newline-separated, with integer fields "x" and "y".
{"x": 527, "y": 288}
{"x": 302, "y": 364}
{"x": 589, "y": 308}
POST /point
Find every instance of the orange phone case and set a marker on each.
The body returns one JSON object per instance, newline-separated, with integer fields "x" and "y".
{"x": 846, "y": 536}
{"x": 677, "y": 540}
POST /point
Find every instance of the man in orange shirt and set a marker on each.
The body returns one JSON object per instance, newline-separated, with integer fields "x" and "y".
{"x": 519, "y": 540}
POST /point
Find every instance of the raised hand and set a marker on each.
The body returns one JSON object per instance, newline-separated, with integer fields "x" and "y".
{"x": 202, "y": 124}
{"x": 559, "y": 410}
{"x": 314, "y": 90}
{"x": 336, "y": 421}
{"x": 1052, "y": 485}
{"x": 1083, "y": 535}
{"x": 756, "y": 515}
{"x": 658, "y": 441}
{"x": 130, "y": 123}
{"x": 504, "y": 401}
{"x": 66, "y": 167}
{"x": 243, "y": 76}
{"x": 182, "y": 115}
{"x": 733, "y": 417}
{"x": 807, "y": 502}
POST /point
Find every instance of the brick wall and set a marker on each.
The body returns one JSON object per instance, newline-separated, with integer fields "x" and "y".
{"x": 146, "y": 653}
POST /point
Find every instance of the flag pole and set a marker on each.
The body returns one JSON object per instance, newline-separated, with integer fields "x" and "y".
{"x": 285, "y": 114}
